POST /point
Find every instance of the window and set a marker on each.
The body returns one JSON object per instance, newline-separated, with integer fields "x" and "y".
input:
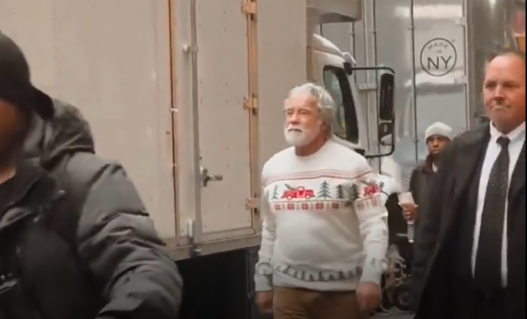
{"x": 345, "y": 124}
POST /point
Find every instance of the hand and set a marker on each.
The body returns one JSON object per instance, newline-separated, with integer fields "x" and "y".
{"x": 264, "y": 300}
{"x": 368, "y": 296}
{"x": 409, "y": 210}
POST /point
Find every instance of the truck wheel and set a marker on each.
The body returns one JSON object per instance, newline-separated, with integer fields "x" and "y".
{"x": 401, "y": 297}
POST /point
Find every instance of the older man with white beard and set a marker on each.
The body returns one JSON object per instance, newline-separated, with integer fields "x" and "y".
{"x": 325, "y": 234}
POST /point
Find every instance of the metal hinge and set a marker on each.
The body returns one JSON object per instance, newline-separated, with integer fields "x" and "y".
{"x": 251, "y": 104}
{"x": 188, "y": 49}
{"x": 252, "y": 203}
{"x": 249, "y": 7}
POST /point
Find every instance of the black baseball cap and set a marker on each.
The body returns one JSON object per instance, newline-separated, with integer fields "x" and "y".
{"x": 15, "y": 81}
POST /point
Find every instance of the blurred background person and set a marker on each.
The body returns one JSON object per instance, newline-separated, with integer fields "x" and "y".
{"x": 437, "y": 136}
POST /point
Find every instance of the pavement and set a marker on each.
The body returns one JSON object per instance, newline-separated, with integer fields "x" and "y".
{"x": 393, "y": 314}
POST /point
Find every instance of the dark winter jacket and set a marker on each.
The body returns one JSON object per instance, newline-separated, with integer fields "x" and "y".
{"x": 106, "y": 259}
{"x": 419, "y": 182}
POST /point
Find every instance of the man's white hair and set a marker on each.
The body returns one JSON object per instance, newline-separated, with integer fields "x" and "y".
{"x": 325, "y": 102}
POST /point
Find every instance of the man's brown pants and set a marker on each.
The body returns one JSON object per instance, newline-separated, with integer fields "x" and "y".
{"x": 292, "y": 303}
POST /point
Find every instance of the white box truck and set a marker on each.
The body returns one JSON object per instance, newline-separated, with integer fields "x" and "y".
{"x": 188, "y": 95}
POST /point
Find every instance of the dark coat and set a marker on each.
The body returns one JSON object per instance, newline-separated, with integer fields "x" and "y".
{"x": 433, "y": 250}
{"x": 113, "y": 238}
{"x": 419, "y": 185}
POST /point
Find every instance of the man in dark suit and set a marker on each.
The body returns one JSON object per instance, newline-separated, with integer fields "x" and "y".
{"x": 470, "y": 254}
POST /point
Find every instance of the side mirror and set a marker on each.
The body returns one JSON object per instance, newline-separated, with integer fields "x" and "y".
{"x": 385, "y": 109}
{"x": 386, "y": 119}
{"x": 349, "y": 58}
{"x": 348, "y": 68}
{"x": 360, "y": 151}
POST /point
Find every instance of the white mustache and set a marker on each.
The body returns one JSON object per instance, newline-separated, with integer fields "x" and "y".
{"x": 294, "y": 128}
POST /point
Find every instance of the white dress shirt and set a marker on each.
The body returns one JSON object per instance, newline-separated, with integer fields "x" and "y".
{"x": 517, "y": 139}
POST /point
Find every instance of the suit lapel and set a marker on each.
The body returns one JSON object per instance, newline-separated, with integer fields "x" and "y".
{"x": 471, "y": 147}
{"x": 517, "y": 188}
{"x": 518, "y": 176}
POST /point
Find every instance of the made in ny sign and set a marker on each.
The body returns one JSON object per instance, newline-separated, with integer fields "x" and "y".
{"x": 438, "y": 57}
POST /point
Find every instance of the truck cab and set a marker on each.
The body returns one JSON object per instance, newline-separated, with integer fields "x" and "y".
{"x": 350, "y": 124}
{"x": 334, "y": 69}
{"x": 329, "y": 71}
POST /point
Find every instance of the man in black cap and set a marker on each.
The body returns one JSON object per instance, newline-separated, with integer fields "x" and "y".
{"x": 76, "y": 239}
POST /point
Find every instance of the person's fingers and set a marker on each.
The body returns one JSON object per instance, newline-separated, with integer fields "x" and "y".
{"x": 269, "y": 305}
{"x": 265, "y": 309}
{"x": 363, "y": 302}
{"x": 359, "y": 299}
{"x": 376, "y": 301}
{"x": 262, "y": 305}
{"x": 368, "y": 303}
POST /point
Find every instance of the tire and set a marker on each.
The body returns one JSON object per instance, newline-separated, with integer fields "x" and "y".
{"x": 401, "y": 297}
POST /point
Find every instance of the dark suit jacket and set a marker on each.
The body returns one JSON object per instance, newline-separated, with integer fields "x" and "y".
{"x": 419, "y": 184}
{"x": 448, "y": 191}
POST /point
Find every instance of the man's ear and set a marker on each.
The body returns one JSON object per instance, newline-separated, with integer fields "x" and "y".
{"x": 325, "y": 127}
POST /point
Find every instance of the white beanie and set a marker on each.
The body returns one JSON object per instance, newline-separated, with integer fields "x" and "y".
{"x": 439, "y": 128}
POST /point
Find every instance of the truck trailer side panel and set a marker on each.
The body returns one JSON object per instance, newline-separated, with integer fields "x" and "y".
{"x": 111, "y": 59}
{"x": 281, "y": 66}
{"x": 222, "y": 124}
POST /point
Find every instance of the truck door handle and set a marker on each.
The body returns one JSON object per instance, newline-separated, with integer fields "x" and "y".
{"x": 206, "y": 177}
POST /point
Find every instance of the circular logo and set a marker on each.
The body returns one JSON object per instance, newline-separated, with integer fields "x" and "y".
{"x": 438, "y": 57}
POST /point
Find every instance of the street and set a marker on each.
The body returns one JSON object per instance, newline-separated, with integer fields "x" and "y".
{"x": 394, "y": 314}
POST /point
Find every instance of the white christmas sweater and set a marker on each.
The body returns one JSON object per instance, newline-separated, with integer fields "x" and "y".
{"x": 324, "y": 223}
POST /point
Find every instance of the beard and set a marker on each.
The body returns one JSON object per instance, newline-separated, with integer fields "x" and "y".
{"x": 298, "y": 136}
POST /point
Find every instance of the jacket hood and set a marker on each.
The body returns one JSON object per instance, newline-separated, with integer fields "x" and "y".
{"x": 68, "y": 132}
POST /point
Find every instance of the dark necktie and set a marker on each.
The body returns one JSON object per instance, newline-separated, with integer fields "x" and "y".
{"x": 488, "y": 259}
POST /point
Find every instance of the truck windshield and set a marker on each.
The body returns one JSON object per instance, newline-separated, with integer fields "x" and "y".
{"x": 345, "y": 124}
